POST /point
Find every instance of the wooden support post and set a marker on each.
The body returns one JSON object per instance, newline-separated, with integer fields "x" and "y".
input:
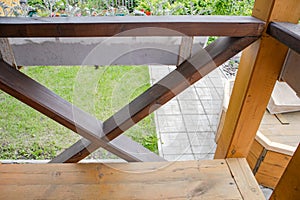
{"x": 6, "y": 52}
{"x": 185, "y": 49}
{"x": 289, "y": 184}
{"x": 259, "y": 69}
{"x": 187, "y": 73}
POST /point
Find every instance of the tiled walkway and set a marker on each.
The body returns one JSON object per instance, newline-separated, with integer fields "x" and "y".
{"x": 186, "y": 125}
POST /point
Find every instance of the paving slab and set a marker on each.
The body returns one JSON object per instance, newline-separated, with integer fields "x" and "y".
{"x": 186, "y": 125}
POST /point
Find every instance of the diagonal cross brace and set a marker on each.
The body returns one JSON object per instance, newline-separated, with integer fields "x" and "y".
{"x": 45, "y": 101}
{"x": 186, "y": 74}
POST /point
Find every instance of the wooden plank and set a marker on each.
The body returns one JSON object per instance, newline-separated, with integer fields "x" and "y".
{"x": 252, "y": 160}
{"x": 266, "y": 180}
{"x": 256, "y": 148}
{"x": 164, "y": 180}
{"x": 271, "y": 168}
{"x": 6, "y": 52}
{"x": 259, "y": 69}
{"x": 160, "y": 93}
{"x": 254, "y": 154}
{"x": 45, "y": 101}
{"x": 277, "y": 159}
{"x": 287, "y": 33}
{"x": 140, "y": 26}
{"x": 244, "y": 179}
{"x": 282, "y": 119}
{"x": 289, "y": 184}
{"x": 291, "y": 71}
{"x": 185, "y": 50}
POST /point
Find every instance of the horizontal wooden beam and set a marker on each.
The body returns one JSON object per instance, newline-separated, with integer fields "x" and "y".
{"x": 234, "y": 26}
{"x": 45, "y": 101}
{"x": 287, "y": 33}
{"x": 204, "y": 179}
{"x": 186, "y": 74}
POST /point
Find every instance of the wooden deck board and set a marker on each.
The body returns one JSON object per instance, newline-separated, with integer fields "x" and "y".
{"x": 287, "y": 134}
{"x": 209, "y": 179}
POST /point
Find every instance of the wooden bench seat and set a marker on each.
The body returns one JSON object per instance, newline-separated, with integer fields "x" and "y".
{"x": 211, "y": 179}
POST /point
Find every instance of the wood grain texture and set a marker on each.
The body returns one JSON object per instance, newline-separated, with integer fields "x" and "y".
{"x": 185, "y": 49}
{"x": 140, "y": 26}
{"x": 6, "y": 52}
{"x": 254, "y": 154}
{"x": 45, "y": 101}
{"x": 156, "y": 180}
{"x": 289, "y": 184}
{"x": 271, "y": 168}
{"x": 287, "y": 33}
{"x": 244, "y": 179}
{"x": 160, "y": 93}
{"x": 259, "y": 69}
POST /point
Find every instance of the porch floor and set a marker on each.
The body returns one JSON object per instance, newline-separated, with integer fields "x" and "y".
{"x": 210, "y": 179}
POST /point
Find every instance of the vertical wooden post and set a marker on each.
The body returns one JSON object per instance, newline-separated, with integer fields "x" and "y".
{"x": 259, "y": 68}
{"x": 6, "y": 52}
{"x": 289, "y": 184}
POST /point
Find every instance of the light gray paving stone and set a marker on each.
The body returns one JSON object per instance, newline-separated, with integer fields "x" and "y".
{"x": 220, "y": 91}
{"x": 202, "y": 141}
{"x": 170, "y": 108}
{"x": 179, "y": 157}
{"x": 207, "y": 93}
{"x": 175, "y": 139}
{"x": 204, "y": 83}
{"x": 204, "y": 156}
{"x": 191, "y": 107}
{"x": 176, "y": 150}
{"x": 195, "y": 123}
{"x": 186, "y": 125}
{"x": 203, "y": 149}
{"x": 213, "y": 119}
{"x": 217, "y": 81}
{"x": 188, "y": 94}
{"x": 212, "y": 106}
{"x": 170, "y": 123}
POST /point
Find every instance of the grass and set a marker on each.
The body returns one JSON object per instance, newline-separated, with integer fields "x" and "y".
{"x": 27, "y": 134}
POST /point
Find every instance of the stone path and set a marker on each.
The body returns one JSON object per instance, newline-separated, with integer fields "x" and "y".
{"x": 187, "y": 124}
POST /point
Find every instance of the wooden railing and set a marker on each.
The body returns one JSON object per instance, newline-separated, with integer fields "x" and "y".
{"x": 259, "y": 68}
{"x": 242, "y": 31}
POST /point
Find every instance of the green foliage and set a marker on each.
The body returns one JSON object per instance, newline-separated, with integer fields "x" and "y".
{"x": 34, "y": 151}
{"x": 197, "y": 7}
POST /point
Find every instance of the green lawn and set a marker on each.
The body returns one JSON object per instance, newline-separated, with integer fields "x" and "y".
{"x": 27, "y": 134}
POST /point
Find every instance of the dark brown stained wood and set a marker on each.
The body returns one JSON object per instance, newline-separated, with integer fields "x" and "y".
{"x": 287, "y": 33}
{"x": 291, "y": 71}
{"x": 205, "y": 179}
{"x": 45, "y": 101}
{"x": 160, "y": 93}
{"x": 234, "y": 26}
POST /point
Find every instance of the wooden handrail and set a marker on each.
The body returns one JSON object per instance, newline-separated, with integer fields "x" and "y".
{"x": 234, "y": 26}
{"x": 287, "y": 33}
